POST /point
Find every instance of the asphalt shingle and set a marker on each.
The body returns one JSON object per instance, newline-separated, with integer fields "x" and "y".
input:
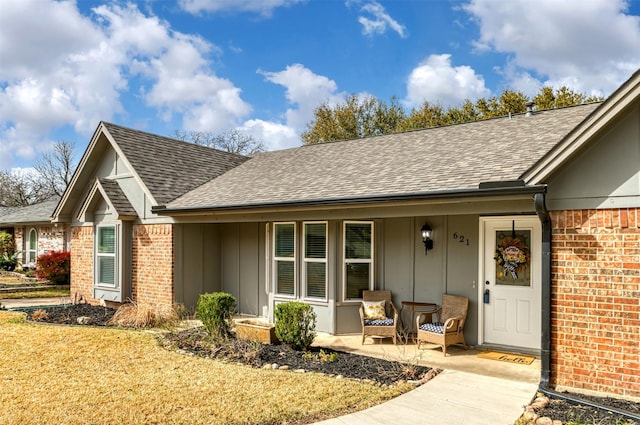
{"x": 37, "y": 213}
{"x": 117, "y": 197}
{"x": 170, "y": 167}
{"x": 457, "y": 157}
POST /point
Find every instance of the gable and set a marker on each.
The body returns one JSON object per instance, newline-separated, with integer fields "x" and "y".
{"x": 598, "y": 123}
{"x": 150, "y": 170}
{"x": 106, "y": 198}
{"x": 605, "y": 173}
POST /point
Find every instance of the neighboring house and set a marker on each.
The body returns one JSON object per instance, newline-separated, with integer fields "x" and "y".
{"x": 555, "y": 194}
{"x": 33, "y": 232}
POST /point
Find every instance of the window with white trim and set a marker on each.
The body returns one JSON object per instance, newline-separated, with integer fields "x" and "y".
{"x": 357, "y": 258}
{"x": 314, "y": 271}
{"x": 32, "y": 252}
{"x": 106, "y": 256}
{"x": 284, "y": 258}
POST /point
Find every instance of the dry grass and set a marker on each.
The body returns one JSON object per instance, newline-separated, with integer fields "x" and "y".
{"x": 141, "y": 316}
{"x": 76, "y": 375}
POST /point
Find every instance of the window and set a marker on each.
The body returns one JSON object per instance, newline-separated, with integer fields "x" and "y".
{"x": 358, "y": 259}
{"x": 106, "y": 256}
{"x": 33, "y": 247}
{"x": 284, "y": 258}
{"x": 315, "y": 260}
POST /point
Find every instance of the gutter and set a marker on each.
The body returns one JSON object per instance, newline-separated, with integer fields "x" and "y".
{"x": 483, "y": 191}
{"x": 545, "y": 351}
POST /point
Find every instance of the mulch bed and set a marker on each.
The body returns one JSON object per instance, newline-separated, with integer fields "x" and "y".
{"x": 195, "y": 342}
{"x": 584, "y": 414}
{"x": 69, "y": 314}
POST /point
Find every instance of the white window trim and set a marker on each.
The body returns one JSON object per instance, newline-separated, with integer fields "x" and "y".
{"x": 306, "y": 260}
{"x": 116, "y": 280}
{"x": 292, "y": 259}
{"x": 356, "y": 260}
{"x": 32, "y": 259}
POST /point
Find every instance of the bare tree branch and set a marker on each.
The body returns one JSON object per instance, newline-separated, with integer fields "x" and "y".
{"x": 56, "y": 167}
{"x": 233, "y": 141}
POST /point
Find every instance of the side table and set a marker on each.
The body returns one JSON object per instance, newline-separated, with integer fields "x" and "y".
{"x": 415, "y": 307}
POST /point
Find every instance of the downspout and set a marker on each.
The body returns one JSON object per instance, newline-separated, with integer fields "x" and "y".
{"x": 545, "y": 350}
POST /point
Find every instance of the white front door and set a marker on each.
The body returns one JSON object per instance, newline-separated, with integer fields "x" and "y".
{"x": 510, "y": 293}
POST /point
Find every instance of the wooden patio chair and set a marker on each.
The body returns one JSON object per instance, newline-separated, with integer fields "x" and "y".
{"x": 378, "y": 315}
{"x": 450, "y": 329}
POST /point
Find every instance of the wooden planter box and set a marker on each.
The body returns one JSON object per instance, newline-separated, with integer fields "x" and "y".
{"x": 256, "y": 330}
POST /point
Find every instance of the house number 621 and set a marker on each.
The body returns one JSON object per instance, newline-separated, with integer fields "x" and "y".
{"x": 460, "y": 238}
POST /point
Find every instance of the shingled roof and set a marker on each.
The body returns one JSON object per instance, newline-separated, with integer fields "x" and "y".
{"x": 170, "y": 167}
{"x": 117, "y": 198}
{"x": 451, "y": 158}
{"x": 37, "y": 213}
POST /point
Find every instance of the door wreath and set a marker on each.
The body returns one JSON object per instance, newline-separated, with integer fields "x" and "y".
{"x": 512, "y": 255}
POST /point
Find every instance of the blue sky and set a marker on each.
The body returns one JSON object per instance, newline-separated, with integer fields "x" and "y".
{"x": 263, "y": 66}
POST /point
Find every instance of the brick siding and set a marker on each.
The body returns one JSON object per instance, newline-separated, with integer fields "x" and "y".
{"x": 50, "y": 238}
{"x": 152, "y": 277}
{"x": 82, "y": 263}
{"x": 152, "y": 265}
{"x": 596, "y": 301}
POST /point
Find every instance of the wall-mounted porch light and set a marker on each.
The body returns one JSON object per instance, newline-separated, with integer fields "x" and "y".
{"x": 427, "y": 234}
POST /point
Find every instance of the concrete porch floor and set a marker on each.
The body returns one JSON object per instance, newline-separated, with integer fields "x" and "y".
{"x": 430, "y": 355}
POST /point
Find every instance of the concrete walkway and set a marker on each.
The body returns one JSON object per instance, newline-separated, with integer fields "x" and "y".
{"x": 34, "y": 302}
{"x": 452, "y": 397}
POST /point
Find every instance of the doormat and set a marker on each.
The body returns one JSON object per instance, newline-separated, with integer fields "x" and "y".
{"x": 507, "y": 357}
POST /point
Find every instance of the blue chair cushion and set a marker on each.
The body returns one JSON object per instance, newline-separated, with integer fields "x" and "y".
{"x": 437, "y": 327}
{"x": 385, "y": 322}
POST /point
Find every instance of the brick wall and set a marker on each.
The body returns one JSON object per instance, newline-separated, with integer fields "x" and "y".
{"x": 152, "y": 277}
{"x": 50, "y": 238}
{"x": 82, "y": 263}
{"x": 596, "y": 301}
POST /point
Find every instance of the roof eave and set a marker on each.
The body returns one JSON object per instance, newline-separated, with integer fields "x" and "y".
{"x": 592, "y": 125}
{"x": 363, "y": 200}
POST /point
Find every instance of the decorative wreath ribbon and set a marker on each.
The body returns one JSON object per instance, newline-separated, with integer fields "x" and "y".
{"x": 512, "y": 255}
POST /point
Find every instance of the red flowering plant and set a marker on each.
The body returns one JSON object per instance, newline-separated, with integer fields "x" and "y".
{"x": 54, "y": 267}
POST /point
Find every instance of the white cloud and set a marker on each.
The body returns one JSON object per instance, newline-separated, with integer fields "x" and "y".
{"x": 261, "y": 7}
{"x": 306, "y": 91}
{"x": 376, "y": 20}
{"x": 275, "y": 136}
{"x": 52, "y": 78}
{"x": 591, "y": 46}
{"x": 436, "y": 81}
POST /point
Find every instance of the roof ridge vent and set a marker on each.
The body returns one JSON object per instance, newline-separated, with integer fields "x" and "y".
{"x": 530, "y": 107}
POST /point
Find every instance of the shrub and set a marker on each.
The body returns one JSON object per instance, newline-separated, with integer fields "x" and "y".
{"x": 39, "y": 315}
{"x": 54, "y": 267}
{"x": 8, "y": 254}
{"x": 216, "y": 311}
{"x": 142, "y": 316}
{"x": 295, "y": 324}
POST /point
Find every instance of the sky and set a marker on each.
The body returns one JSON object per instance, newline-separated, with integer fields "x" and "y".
{"x": 263, "y": 66}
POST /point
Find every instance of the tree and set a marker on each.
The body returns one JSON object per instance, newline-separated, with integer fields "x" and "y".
{"x": 233, "y": 141}
{"x": 562, "y": 97}
{"x": 426, "y": 116}
{"x": 56, "y": 168}
{"x": 356, "y": 117}
{"x": 21, "y": 188}
{"x": 367, "y": 116}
